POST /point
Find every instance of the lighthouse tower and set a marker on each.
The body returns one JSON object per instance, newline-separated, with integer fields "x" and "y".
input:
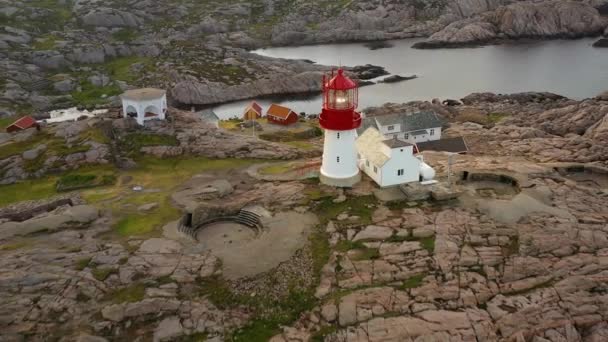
{"x": 340, "y": 121}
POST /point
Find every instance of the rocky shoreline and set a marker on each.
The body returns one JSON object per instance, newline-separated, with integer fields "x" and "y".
{"x": 522, "y": 20}
{"x": 200, "y": 54}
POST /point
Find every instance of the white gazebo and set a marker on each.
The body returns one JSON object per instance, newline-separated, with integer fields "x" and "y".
{"x": 144, "y": 104}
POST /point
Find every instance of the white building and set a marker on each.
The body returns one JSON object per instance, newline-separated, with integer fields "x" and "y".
{"x": 391, "y": 161}
{"x": 144, "y": 104}
{"x": 410, "y": 127}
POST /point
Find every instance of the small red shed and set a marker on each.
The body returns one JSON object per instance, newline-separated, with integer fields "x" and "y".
{"x": 22, "y": 124}
{"x": 281, "y": 115}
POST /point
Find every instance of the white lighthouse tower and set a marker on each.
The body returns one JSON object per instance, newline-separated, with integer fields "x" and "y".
{"x": 340, "y": 121}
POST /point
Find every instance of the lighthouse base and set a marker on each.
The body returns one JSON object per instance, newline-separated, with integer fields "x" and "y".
{"x": 340, "y": 182}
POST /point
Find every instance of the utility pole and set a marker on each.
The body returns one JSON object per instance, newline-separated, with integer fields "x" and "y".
{"x": 450, "y": 162}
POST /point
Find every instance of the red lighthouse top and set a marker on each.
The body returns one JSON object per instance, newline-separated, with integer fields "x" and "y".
{"x": 340, "y": 99}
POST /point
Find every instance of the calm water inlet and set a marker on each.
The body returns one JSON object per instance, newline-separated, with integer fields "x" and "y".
{"x": 572, "y": 68}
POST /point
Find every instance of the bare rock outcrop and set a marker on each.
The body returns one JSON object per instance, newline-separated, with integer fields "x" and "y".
{"x": 195, "y": 92}
{"x": 551, "y": 19}
{"x": 108, "y": 17}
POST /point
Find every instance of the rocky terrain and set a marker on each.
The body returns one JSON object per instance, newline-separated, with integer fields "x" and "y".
{"x": 538, "y": 20}
{"x": 58, "y": 53}
{"x": 520, "y": 256}
{"x": 107, "y": 140}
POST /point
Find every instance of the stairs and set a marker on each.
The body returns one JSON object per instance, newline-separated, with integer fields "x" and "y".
{"x": 244, "y": 217}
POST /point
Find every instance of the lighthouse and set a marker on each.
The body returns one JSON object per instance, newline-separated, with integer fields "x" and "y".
{"x": 340, "y": 122}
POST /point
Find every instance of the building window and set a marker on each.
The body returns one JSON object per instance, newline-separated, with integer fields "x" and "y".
{"x": 400, "y": 172}
{"x": 338, "y": 134}
{"x": 432, "y": 132}
{"x": 338, "y": 159}
{"x": 391, "y": 128}
{"x": 406, "y": 136}
{"x": 367, "y": 163}
{"x": 375, "y": 169}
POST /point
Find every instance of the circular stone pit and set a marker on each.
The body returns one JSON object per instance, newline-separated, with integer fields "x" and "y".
{"x": 490, "y": 185}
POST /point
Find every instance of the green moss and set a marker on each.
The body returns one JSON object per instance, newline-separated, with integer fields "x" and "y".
{"x": 346, "y": 245}
{"x": 125, "y": 35}
{"x": 46, "y": 43}
{"x": 130, "y": 294}
{"x": 197, "y": 337}
{"x": 325, "y": 331}
{"x": 102, "y": 274}
{"x": 428, "y": 243}
{"x": 413, "y": 282}
{"x": 356, "y": 206}
{"x": 81, "y": 264}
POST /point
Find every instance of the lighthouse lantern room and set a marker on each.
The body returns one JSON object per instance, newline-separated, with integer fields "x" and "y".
{"x": 340, "y": 121}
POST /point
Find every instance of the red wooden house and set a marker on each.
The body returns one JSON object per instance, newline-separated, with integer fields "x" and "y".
{"x": 22, "y": 124}
{"x": 281, "y": 115}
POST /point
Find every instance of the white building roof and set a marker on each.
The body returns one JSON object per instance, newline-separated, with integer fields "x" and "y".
{"x": 144, "y": 94}
{"x": 369, "y": 144}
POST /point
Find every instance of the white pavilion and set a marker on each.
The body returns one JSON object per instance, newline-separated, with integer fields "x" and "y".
{"x": 144, "y": 104}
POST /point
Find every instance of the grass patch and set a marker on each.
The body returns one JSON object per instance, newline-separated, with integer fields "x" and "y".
{"x": 46, "y": 43}
{"x": 325, "y": 331}
{"x": 428, "y": 243}
{"x": 230, "y": 124}
{"x": 196, "y": 337}
{"x": 282, "y": 313}
{"x": 130, "y": 294}
{"x": 122, "y": 68}
{"x": 367, "y": 254}
{"x": 362, "y": 207}
{"x": 102, "y": 274}
{"x": 16, "y": 148}
{"x": 319, "y": 248}
{"x": 90, "y": 95}
{"x": 496, "y": 117}
{"x": 94, "y": 134}
{"x": 362, "y": 252}
{"x": 81, "y": 264}
{"x": 14, "y": 246}
{"x": 72, "y": 182}
{"x": 5, "y": 122}
{"x": 413, "y": 282}
{"x": 346, "y": 245}
{"x": 276, "y": 169}
{"x": 132, "y": 143}
{"x": 302, "y": 145}
{"x": 125, "y": 35}
{"x": 27, "y": 190}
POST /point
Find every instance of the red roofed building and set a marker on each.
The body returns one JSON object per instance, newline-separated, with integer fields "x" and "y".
{"x": 22, "y": 124}
{"x": 253, "y": 111}
{"x": 281, "y": 115}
